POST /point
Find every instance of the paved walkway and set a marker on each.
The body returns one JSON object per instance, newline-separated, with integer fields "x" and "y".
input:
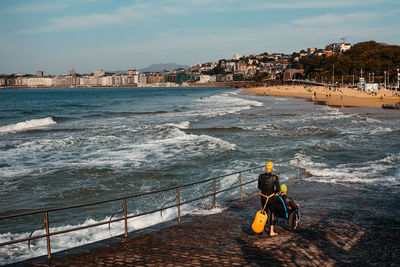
{"x": 325, "y": 238}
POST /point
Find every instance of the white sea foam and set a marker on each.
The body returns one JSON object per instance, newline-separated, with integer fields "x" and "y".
{"x": 171, "y": 144}
{"x": 370, "y": 172}
{"x": 180, "y": 125}
{"x": 27, "y": 125}
{"x": 309, "y": 130}
{"x": 268, "y": 126}
{"x": 225, "y": 103}
{"x": 204, "y": 212}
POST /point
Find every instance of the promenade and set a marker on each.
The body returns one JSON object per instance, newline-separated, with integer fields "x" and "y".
{"x": 340, "y": 226}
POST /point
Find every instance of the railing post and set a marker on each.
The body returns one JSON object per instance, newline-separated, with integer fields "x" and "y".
{"x": 289, "y": 174}
{"x": 298, "y": 170}
{"x": 240, "y": 181}
{"x": 46, "y": 222}
{"x": 214, "y": 195}
{"x": 279, "y": 173}
{"x": 179, "y": 205}
{"x": 126, "y": 220}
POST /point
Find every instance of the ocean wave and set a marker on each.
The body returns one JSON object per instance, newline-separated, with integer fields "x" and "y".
{"x": 217, "y": 129}
{"x": 180, "y": 125}
{"x": 225, "y": 103}
{"x": 369, "y": 172}
{"x": 27, "y": 125}
{"x": 112, "y": 114}
{"x": 309, "y": 131}
{"x": 268, "y": 126}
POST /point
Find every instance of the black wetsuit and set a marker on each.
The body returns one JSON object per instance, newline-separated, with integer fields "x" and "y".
{"x": 268, "y": 184}
{"x": 278, "y": 209}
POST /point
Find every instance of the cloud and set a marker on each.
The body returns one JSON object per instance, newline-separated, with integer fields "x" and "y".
{"x": 77, "y": 22}
{"x": 338, "y": 19}
{"x": 256, "y": 5}
{"x": 45, "y": 6}
{"x": 142, "y": 10}
{"x": 120, "y": 16}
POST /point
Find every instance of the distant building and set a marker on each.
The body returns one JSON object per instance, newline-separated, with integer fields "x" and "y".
{"x": 99, "y": 73}
{"x": 132, "y": 72}
{"x": 340, "y": 47}
{"x": 142, "y": 79}
{"x": 154, "y": 77}
{"x": 204, "y": 79}
{"x": 311, "y": 51}
{"x": 39, "y": 81}
{"x": 39, "y": 73}
{"x": 171, "y": 77}
{"x": 230, "y": 65}
{"x": 237, "y": 56}
{"x": 241, "y": 67}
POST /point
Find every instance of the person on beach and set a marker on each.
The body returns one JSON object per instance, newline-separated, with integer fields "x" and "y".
{"x": 281, "y": 207}
{"x": 268, "y": 184}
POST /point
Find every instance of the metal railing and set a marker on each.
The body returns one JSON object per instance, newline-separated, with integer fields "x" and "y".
{"x": 126, "y": 217}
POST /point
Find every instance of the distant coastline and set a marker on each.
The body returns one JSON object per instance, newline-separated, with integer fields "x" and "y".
{"x": 213, "y": 84}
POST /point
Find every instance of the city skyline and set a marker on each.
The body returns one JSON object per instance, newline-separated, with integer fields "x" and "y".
{"x": 54, "y": 36}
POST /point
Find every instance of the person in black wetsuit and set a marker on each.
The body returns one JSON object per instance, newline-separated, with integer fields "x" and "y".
{"x": 268, "y": 184}
{"x": 282, "y": 206}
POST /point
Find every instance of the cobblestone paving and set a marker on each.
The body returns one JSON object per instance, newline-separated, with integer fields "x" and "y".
{"x": 334, "y": 237}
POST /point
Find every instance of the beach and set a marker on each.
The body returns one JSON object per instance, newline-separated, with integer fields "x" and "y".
{"x": 338, "y": 97}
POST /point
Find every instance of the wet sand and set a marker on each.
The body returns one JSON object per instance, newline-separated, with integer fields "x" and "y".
{"x": 341, "y": 97}
{"x": 340, "y": 226}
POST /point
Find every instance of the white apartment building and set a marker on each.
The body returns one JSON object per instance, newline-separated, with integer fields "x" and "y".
{"x": 89, "y": 81}
{"x": 114, "y": 80}
{"x": 40, "y": 81}
{"x": 204, "y": 78}
{"x": 34, "y": 81}
{"x": 340, "y": 47}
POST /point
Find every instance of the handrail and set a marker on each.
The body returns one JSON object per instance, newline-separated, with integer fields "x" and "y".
{"x": 213, "y": 194}
{"x": 121, "y": 198}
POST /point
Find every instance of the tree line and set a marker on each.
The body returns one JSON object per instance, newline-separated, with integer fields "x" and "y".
{"x": 371, "y": 57}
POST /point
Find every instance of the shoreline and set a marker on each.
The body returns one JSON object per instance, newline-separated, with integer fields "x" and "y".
{"x": 337, "y": 97}
{"x": 240, "y": 84}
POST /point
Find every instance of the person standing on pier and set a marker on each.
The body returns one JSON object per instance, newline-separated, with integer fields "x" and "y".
{"x": 268, "y": 184}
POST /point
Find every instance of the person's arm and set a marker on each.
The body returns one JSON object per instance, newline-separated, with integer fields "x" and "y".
{"x": 277, "y": 184}
{"x": 292, "y": 203}
{"x": 259, "y": 181}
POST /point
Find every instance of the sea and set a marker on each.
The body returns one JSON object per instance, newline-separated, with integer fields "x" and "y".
{"x": 62, "y": 147}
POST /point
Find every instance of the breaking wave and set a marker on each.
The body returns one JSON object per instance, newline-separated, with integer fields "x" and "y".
{"x": 28, "y": 125}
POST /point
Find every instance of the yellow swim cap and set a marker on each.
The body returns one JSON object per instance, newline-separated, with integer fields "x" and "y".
{"x": 283, "y": 188}
{"x": 270, "y": 165}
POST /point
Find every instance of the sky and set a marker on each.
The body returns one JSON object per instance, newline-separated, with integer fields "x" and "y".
{"x": 56, "y": 35}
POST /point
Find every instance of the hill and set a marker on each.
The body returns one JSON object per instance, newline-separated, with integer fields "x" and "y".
{"x": 163, "y": 66}
{"x": 370, "y": 57}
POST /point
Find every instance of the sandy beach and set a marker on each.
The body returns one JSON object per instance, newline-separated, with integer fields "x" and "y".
{"x": 341, "y": 97}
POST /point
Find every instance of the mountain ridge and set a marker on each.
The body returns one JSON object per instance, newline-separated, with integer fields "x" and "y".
{"x": 159, "y": 67}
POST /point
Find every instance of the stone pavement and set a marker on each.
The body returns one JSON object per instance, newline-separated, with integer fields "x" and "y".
{"x": 327, "y": 237}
